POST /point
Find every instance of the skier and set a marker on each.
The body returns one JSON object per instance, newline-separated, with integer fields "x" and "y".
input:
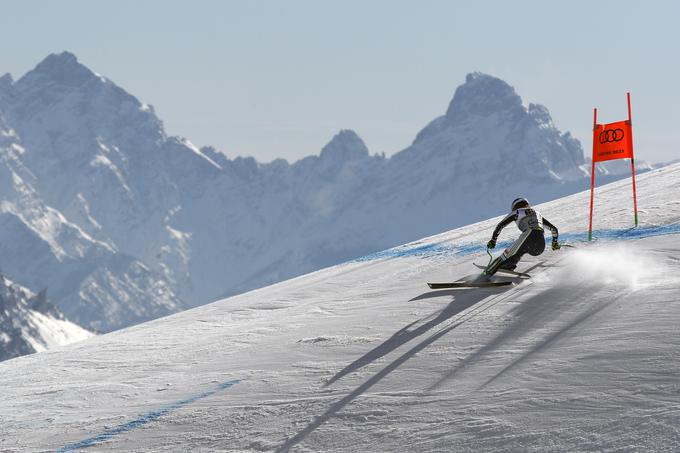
{"x": 531, "y": 241}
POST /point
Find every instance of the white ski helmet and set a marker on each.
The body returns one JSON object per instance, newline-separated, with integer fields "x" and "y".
{"x": 519, "y": 203}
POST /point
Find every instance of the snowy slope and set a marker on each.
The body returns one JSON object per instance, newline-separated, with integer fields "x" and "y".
{"x": 363, "y": 357}
{"x": 30, "y": 323}
{"x": 125, "y": 223}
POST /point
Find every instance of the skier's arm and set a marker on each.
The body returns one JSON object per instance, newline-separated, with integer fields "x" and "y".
{"x": 503, "y": 223}
{"x": 552, "y": 227}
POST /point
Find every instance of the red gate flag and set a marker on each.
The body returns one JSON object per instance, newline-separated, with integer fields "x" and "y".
{"x": 612, "y": 141}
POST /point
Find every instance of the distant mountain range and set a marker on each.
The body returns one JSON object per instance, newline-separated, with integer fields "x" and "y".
{"x": 124, "y": 223}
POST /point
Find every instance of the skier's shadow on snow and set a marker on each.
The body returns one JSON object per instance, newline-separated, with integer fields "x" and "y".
{"x": 462, "y": 300}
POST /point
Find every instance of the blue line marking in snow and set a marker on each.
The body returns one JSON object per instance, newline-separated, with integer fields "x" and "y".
{"x": 144, "y": 419}
{"x": 434, "y": 250}
{"x": 426, "y": 251}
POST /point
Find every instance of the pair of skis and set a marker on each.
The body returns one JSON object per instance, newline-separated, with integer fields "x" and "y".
{"x": 484, "y": 283}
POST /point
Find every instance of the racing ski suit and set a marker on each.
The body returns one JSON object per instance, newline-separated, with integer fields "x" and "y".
{"x": 531, "y": 241}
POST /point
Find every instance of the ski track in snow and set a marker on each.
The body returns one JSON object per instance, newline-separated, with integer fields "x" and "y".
{"x": 584, "y": 356}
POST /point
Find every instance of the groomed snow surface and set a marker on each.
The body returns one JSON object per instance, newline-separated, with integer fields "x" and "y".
{"x": 585, "y": 356}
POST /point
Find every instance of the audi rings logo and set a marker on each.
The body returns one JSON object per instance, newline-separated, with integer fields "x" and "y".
{"x": 611, "y": 136}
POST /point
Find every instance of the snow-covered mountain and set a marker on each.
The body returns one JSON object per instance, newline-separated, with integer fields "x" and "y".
{"x": 92, "y": 281}
{"x": 362, "y": 356}
{"x": 124, "y": 223}
{"x": 30, "y": 323}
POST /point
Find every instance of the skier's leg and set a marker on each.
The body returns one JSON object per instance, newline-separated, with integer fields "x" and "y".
{"x": 511, "y": 263}
{"x": 511, "y": 255}
{"x": 534, "y": 245}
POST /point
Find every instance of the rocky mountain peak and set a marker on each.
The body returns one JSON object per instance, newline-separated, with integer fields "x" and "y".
{"x": 345, "y": 145}
{"x": 50, "y": 105}
{"x": 63, "y": 68}
{"x": 481, "y": 96}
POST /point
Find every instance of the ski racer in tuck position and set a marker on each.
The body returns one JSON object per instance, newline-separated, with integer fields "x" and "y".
{"x": 531, "y": 241}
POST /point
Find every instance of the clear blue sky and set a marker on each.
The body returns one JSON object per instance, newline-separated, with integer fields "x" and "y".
{"x": 277, "y": 79}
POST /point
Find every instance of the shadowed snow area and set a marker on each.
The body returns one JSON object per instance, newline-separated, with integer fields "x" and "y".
{"x": 362, "y": 356}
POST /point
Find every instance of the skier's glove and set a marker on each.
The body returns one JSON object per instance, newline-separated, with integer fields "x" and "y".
{"x": 555, "y": 245}
{"x": 491, "y": 244}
